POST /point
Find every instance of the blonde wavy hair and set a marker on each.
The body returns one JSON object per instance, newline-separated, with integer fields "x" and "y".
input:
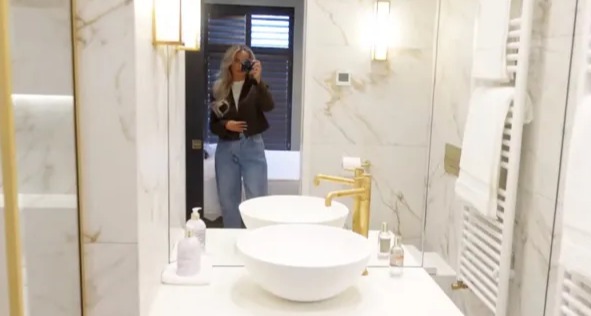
{"x": 223, "y": 83}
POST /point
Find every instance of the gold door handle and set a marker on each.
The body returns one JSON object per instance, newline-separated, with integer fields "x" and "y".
{"x": 196, "y": 144}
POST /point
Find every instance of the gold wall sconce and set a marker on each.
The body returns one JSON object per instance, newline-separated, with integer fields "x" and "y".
{"x": 177, "y": 23}
{"x": 381, "y": 32}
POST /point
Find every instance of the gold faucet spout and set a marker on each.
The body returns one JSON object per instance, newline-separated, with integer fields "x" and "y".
{"x": 325, "y": 177}
{"x": 361, "y": 191}
{"x": 335, "y": 194}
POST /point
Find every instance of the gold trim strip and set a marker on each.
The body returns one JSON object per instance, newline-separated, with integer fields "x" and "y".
{"x": 188, "y": 49}
{"x": 9, "y": 174}
{"x": 167, "y": 43}
{"x": 78, "y": 143}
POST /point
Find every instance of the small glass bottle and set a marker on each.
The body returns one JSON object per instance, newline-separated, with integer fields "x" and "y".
{"x": 396, "y": 257}
{"x": 384, "y": 241}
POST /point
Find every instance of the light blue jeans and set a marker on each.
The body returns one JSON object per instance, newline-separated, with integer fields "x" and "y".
{"x": 237, "y": 162}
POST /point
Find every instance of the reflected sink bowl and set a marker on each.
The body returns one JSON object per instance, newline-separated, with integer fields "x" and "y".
{"x": 291, "y": 209}
{"x": 304, "y": 263}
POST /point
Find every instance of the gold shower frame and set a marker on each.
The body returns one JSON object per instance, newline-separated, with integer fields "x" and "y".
{"x": 9, "y": 166}
{"x": 9, "y": 175}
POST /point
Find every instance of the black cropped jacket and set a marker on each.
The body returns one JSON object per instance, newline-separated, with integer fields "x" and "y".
{"x": 255, "y": 99}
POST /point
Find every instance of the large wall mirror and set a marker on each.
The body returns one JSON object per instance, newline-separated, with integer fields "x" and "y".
{"x": 333, "y": 100}
{"x": 40, "y": 34}
{"x": 399, "y": 117}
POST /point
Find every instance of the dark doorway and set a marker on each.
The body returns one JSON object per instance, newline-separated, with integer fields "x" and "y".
{"x": 269, "y": 32}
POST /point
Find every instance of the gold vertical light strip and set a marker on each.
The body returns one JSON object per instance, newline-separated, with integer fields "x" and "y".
{"x": 9, "y": 176}
{"x": 78, "y": 144}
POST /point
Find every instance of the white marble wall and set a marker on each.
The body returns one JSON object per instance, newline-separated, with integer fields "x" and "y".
{"x": 107, "y": 105}
{"x": 383, "y": 116}
{"x": 47, "y": 199}
{"x": 176, "y": 138}
{"x": 540, "y": 155}
{"x": 51, "y": 252}
{"x": 154, "y": 67}
{"x": 41, "y": 47}
{"x": 46, "y": 154}
{"x": 125, "y": 139}
{"x": 41, "y": 53}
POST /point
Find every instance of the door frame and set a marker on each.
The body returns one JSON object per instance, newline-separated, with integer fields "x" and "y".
{"x": 195, "y": 91}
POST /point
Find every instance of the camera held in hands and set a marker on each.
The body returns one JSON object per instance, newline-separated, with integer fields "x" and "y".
{"x": 247, "y": 66}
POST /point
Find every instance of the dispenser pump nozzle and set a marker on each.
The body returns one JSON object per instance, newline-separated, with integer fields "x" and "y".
{"x": 195, "y": 214}
{"x": 384, "y": 227}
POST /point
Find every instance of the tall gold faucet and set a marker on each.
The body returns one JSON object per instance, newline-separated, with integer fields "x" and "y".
{"x": 361, "y": 191}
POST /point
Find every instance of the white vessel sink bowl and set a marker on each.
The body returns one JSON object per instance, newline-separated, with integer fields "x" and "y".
{"x": 291, "y": 209}
{"x": 304, "y": 263}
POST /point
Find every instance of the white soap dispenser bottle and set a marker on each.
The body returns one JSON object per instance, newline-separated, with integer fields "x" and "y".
{"x": 188, "y": 255}
{"x": 197, "y": 226}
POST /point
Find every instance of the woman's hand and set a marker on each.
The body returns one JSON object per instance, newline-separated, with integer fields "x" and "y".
{"x": 236, "y": 126}
{"x": 256, "y": 71}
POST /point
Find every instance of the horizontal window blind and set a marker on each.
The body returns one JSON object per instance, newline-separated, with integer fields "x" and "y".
{"x": 270, "y": 31}
{"x": 270, "y": 38}
{"x": 277, "y": 75}
{"x": 226, "y": 30}
{"x": 213, "y": 61}
{"x": 223, "y": 31}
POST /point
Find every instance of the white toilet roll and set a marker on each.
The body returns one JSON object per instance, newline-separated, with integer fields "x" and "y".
{"x": 350, "y": 163}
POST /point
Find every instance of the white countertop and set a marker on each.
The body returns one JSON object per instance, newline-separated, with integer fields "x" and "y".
{"x": 232, "y": 293}
{"x": 221, "y": 248}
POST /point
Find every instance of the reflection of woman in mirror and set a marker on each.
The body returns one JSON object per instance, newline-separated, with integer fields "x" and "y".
{"x": 237, "y": 118}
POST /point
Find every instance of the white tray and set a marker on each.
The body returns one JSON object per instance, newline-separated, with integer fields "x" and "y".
{"x": 170, "y": 277}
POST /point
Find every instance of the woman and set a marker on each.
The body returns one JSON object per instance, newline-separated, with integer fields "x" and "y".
{"x": 237, "y": 118}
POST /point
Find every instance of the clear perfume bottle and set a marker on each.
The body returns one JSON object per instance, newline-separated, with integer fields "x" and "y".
{"x": 397, "y": 257}
{"x": 385, "y": 238}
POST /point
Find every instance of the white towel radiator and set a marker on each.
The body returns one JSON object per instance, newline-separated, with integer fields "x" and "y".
{"x": 486, "y": 243}
{"x": 573, "y": 295}
{"x": 573, "y": 290}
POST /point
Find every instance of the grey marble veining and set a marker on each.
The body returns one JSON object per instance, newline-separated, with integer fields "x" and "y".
{"x": 52, "y": 259}
{"x": 125, "y": 104}
{"x": 46, "y": 155}
{"x": 382, "y": 117}
{"x": 108, "y": 131}
{"x": 41, "y": 53}
{"x": 107, "y": 113}
{"x": 50, "y": 255}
